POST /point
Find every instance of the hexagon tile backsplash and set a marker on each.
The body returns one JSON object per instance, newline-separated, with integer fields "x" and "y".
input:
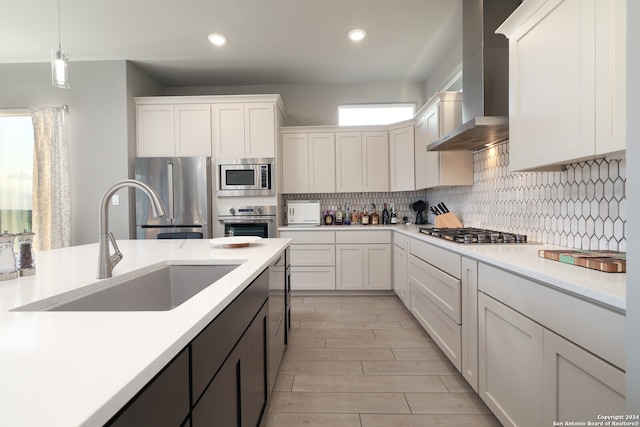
{"x": 582, "y": 207}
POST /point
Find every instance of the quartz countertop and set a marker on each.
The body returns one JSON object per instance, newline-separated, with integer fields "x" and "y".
{"x": 80, "y": 368}
{"x": 605, "y": 289}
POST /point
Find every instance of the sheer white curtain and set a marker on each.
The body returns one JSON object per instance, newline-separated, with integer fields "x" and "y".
{"x": 51, "y": 188}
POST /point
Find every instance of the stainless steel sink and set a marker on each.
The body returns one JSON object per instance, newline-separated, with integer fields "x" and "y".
{"x": 160, "y": 290}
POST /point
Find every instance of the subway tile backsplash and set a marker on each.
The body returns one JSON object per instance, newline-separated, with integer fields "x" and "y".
{"x": 582, "y": 207}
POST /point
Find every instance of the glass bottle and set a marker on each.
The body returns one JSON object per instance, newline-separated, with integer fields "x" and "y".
{"x": 355, "y": 215}
{"x": 26, "y": 255}
{"x": 385, "y": 215}
{"x": 8, "y": 268}
{"x": 394, "y": 215}
{"x": 339, "y": 216}
{"x": 347, "y": 215}
{"x": 375, "y": 218}
{"x": 328, "y": 217}
{"x": 364, "y": 217}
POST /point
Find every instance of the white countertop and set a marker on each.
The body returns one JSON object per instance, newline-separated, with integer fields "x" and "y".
{"x": 80, "y": 368}
{"x": 606, "y": 289}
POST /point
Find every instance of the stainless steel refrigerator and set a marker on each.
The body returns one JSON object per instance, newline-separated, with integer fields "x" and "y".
{"x": 184, "y": 186}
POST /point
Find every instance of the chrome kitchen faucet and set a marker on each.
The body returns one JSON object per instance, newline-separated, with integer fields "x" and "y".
{"x": 106, "y": 261}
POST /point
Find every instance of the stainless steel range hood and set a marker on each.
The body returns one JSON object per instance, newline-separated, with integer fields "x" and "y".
{"x": 485, "y": 77}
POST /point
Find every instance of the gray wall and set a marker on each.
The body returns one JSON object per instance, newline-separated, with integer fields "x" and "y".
{"x": 313, "y": 105}
{"x": 633, "y": 225}
{"x": 100, "y": 132}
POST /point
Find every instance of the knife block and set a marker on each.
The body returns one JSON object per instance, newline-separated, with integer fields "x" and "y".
{"x": 448, "y": 220}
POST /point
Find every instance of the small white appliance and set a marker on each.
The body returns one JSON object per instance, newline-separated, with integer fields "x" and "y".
{"x": 303, "y": 212}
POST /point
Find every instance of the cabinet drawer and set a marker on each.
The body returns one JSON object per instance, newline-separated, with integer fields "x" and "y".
{"x": 441, "y": 258}
{"x": 444, "y": 331}
{"x": 595, "y": 328}
{"x": 373, "y": 236}
{"x": 312, "y": 255}
{"x": 401, "y": 240}
{"x": 443, "y": 290}
{"x": 313, "y": 278}
{"x": 309, "y": 237}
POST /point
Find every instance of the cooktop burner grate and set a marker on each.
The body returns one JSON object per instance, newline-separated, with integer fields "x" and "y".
{"x": 474, "y": 235}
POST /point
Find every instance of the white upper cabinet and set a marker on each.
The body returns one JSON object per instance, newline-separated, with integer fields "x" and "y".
{"x": 309, "y": 163}
{"x": 244, "y": 130}
{"x": 173, "y": 130}
{"x": 375, "y": 161}
{"x": 441, "y": 115}
{"x": 401, "y": 164}
{"x": 573, "y": 50}
{"x": 348, "y": 162}
{"x": 362, "y": 162}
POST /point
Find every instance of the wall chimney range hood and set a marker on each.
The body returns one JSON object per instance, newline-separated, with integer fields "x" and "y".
{"x": 485, "y": 77}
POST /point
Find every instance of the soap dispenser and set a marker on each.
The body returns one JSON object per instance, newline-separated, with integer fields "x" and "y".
{"x": 8, "y": 268}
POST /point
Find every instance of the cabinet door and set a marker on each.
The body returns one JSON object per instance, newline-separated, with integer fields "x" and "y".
{"x": 510, "y": 364}
{"x": 401, "y": 151}
{"x": 348, "y": 162}
{"x": 432, "y": 158}
{"x": 377, "y": 266}
{"x": 155, "y": 130}
{"x": 559, "y": 127}
{"x": 349, "y": 267}
{"x": 260, "y": 130}
{"x": 400, "y": 281}
{"x": 228, "y": 130}
{"x": 420, "y": 154}
{"x": 322, "y": 163}
{"x": 577, "y": 384}
{"x": 164, "y": 402}
{"x": 193, "y": 130}
{"x": 470, "y": 322}
{"x": 295, "y": 158}
{"x": 375, "y": 161}
{"x": 220, "y": 403}
{"x": 253, "y": 370}
{"x": 611, "y": 76}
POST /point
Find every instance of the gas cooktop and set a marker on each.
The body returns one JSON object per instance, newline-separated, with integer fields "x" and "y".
{"x": 474, "y": 235}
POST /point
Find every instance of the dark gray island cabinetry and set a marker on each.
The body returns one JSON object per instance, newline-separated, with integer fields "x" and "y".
{"x": 219, "y": 378}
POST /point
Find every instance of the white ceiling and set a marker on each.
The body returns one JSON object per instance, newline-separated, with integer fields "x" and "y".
{"x": 270, "y": 41}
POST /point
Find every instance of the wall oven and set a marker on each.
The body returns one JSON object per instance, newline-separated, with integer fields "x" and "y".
{"x": 248, "y": 221}
{"x": 245, "y": 177}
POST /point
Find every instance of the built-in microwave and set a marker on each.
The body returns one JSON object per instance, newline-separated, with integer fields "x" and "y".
{"x": 245, "y": 177}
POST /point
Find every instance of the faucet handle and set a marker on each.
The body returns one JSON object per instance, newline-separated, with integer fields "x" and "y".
{"x": 117, "y": 256}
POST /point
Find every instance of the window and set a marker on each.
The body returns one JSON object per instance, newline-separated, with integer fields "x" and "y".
{"x": 374, "y": 114}
{"x": 16, "y": 170}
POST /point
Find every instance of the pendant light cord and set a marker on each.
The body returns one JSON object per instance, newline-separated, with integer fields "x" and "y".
{"x": 59, "y": 38}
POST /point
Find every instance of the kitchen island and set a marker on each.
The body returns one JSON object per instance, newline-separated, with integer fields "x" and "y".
{"x": 81, "y": 368}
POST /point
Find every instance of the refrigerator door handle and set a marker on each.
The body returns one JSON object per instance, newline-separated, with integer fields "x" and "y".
{"x": 170, "y": 190}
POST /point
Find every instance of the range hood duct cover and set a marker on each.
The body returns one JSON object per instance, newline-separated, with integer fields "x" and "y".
{"x": 485, "y": 77}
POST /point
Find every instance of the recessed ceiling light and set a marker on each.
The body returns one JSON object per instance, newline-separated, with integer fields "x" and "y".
{"x": 217, "y": 39}
{"x": 357, "y": 34}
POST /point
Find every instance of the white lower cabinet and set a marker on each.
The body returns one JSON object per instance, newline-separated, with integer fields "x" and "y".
{"x": 469, "y": 309}
{"x": 401, "y": 268}
{"x": 313, "y": 260}
{"x": 363, "y": 267}
{"x": 578, "y": 385}
{"x": 435, "y": 296}
{"x": 510, "y": 364}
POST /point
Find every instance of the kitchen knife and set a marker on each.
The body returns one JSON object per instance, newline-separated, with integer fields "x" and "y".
{"x": 433, "y": 210}
{"x": 443, "y": 208}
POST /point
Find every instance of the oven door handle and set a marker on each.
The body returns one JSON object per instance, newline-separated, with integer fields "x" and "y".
{"x": 238, "y": 220}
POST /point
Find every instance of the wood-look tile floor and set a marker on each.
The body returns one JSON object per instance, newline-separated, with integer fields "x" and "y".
{"x": 364, "y": 361}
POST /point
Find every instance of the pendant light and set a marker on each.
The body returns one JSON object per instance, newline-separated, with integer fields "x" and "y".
{"x": 59, "y": 62}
